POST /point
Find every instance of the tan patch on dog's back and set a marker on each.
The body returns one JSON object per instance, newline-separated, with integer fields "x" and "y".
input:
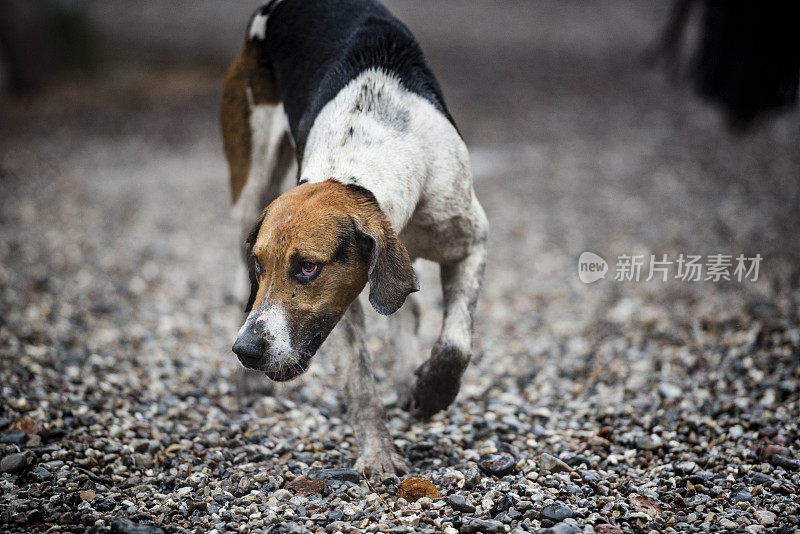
{"x": 248, "y": 82}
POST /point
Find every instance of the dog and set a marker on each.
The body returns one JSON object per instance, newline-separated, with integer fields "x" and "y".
{"x": 337, "y": 97}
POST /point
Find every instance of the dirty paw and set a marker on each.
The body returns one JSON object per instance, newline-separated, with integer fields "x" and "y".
{"x": 380, "y": 463}
{"x": 438, "y": 381}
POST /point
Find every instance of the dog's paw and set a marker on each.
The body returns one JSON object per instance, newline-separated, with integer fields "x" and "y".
{"x": 438, "y": 381}
{"x": 379, "y": 463}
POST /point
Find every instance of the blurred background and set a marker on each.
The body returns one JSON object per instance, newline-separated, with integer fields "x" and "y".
{"x": 589, "y": 129}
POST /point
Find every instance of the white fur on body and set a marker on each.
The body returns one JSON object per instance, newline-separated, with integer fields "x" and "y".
{"x": 408, "y": 155}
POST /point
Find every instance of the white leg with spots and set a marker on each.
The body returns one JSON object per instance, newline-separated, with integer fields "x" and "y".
{"x": 376, "y": 451}
{"x": 403, "y": 329}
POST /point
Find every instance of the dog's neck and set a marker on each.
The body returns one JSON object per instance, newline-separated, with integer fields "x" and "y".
{"x": 380, "y": 136}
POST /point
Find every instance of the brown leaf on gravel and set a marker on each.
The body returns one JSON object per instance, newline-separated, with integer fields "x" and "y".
{"x": 646, "y": 505}
{"x": 87, "y": 495}
{"x": 414, "y": 488}
{"x": 305, "y": 486}
{"x": 27, "y": 425}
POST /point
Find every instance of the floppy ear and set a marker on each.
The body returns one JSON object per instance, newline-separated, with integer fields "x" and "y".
{"x": 391, "y": 276}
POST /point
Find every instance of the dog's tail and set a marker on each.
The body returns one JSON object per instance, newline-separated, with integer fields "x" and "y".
{"x": 250, "y": 81}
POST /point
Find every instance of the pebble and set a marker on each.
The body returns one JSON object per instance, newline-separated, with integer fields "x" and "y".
{"x": 607, "y": 528}
{"x": 483, "y": 526}
{"x": 564, "y": 528}
{"x": 126, "y": 526}
{"x": 669, "y": 390}
{"x": 686, "y": 468}
{"x": 557, "y": 512}
{"x": 765, "y": 517}
{"x": 18, "y": 437}
{"x": 460, "y": 503}
{"x": 735, "y": 432}
{"x": 497, "y": 464}
{"x": 282, "y": 495}
{"x": 741, "y": 496}
{"x": 41, "y": 474}
{"x": 552, "y": 464}
{"x": 13, "y": 463}
{"x": 472, "y": 478}
{"x": 649, "y": 442}
{"x": 779, "y": 460}
{"x": 344, "y": 475}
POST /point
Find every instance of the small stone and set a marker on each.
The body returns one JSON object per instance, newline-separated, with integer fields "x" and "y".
{"x": 764, "y": 517}
{"x": 306, "y": 486}
{"x": 607, "y": 528}
{"x": 120, "y": 525}
{"x": 282, "y": 495}
{"x": 727, "y": 524}
{"x": 183, "y": 492}
{"x": 735, "y": 432}
{"x": 483, "y": 526}
{"x": 553, "y": 464}
{"x": 460, "y": 503}
{"x": 41, "y": 474}
{"x": 472, "y": 478}
{"x": 497, "y": 464}
{"x": 741, "y": 496}
{"x": 669, "y": 390}
{"x": 699, "y": 477}
{"x": 790, "y": 464}
{"x": 685, "y": 467}
{"x": 577, "y": 460}
{"x": 773, "y": 449}
{"x": 557, "y": 512}
{"x": 344, "y": 475}
{"x": 13, "y": 463}
{"x": 87, "y": 495}
{"x": 564, "y": 528}
{"x": 648, "y": 442}
{"x": 762, "y": 478}
{"x": 15, "y": 437}
{"x": 144, "y": 461}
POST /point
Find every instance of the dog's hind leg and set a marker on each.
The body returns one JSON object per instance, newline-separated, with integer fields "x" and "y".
{"x": 439, "y": 378}
{"x": 376, "y": 452}
{"x": 403, "y": 330}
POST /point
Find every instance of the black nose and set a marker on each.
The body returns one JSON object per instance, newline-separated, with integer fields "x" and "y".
{"x": 250, "y": 347}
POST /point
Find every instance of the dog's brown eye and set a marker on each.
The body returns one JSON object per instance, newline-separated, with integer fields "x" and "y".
{"x": 307, "y": 271}
{"x": 308, "y": 268}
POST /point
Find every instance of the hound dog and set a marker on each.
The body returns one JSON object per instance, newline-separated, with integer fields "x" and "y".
{"x": 337, "y": 96}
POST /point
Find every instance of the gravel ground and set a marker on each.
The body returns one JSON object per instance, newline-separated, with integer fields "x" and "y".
{"x": 611, "y": 407}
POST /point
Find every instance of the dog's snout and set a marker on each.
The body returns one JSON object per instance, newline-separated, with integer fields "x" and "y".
{"x": 250, "y": 347}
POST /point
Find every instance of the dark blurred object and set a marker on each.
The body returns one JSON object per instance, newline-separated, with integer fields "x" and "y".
{"x": 41, "y": 39}
{"x": 748, "y": 54}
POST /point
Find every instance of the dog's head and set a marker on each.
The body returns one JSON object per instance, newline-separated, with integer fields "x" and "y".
{"x": 310, "y": 255}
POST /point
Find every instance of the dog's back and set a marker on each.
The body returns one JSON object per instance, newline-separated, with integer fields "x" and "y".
{"x": 316, "y": 47}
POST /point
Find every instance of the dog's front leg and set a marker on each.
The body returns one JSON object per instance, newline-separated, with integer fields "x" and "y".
{"x": 439, "y": 378}
{"x": 376, "y": 452}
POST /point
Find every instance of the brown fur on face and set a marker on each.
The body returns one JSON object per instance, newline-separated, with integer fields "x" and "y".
{"x": 342, "y": 229}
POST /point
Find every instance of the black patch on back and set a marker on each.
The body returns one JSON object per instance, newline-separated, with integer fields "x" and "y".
{"x": 316, "y": 47}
